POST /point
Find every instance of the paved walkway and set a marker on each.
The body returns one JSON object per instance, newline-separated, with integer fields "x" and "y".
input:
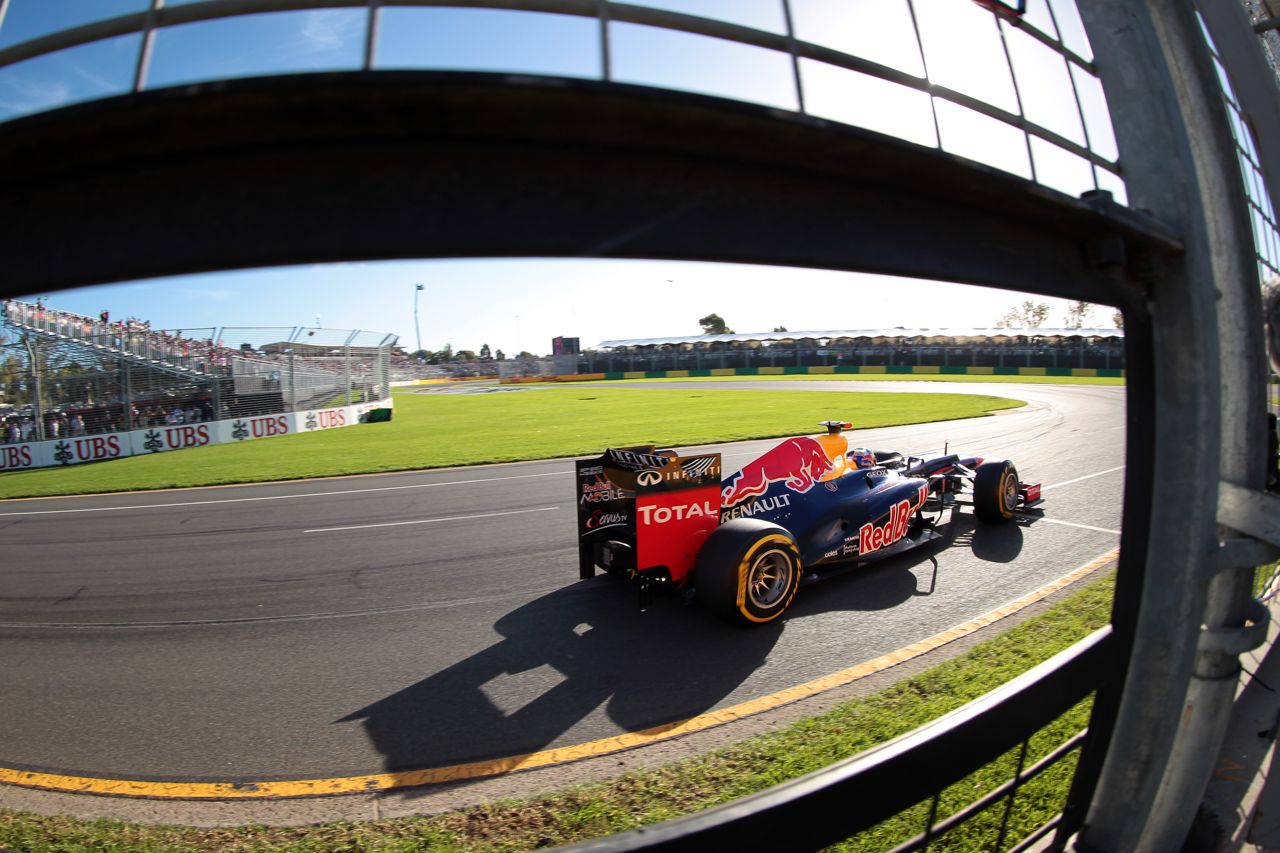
{"x": 1243, "y": 796}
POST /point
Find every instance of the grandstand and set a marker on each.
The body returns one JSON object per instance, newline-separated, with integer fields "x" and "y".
{"x": 943, "y": 347}
{"x": 64, "y": 374}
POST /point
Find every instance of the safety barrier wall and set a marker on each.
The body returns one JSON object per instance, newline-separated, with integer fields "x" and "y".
{"x": 73, "y": 450}
{"x": 893, "y": 369}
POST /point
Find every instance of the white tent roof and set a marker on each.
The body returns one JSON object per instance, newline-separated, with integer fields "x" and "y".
{"x": 897, "y": 332}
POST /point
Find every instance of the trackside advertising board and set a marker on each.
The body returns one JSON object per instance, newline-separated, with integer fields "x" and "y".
{"x": 162, "y": 439}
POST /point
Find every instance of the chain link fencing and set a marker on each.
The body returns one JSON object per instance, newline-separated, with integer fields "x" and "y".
{"x": 64, "y": 374}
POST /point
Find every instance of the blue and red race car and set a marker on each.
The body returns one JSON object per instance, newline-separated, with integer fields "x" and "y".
{"x": 809, "y": 505}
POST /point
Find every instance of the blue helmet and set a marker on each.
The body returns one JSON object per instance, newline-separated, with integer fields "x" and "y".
{"x": 862, "y": 458}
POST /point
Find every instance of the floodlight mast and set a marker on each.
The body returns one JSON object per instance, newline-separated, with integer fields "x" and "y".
{"x": 417, "y": 288}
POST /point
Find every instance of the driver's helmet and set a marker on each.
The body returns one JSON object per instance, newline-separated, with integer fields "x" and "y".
{"x": 862, "y": 458}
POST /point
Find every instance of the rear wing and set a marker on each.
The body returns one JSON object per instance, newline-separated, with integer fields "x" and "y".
{"x": 641, "y": 509}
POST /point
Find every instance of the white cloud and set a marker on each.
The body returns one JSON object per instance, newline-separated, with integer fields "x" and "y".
{"x": 25, "y": 95}
{"x": 324, "y": 32}
{"x": 209, "y": 294}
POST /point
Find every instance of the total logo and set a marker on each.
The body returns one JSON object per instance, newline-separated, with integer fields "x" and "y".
{"x": 664, "y": 514}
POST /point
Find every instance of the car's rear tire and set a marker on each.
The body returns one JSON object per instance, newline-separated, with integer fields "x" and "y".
{"x": 748, "y": 571}
{"x": 995, "y": 491}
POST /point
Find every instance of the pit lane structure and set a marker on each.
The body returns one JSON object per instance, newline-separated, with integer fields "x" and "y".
{"x": 469, "y": 164}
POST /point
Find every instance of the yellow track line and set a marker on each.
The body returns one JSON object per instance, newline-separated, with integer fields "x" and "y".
{"x": 544, "y": 758}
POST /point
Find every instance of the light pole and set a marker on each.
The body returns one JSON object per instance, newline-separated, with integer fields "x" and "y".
{"x": 417, "y": 288}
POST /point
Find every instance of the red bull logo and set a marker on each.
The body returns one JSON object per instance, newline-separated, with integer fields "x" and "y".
{"x": 797, "y": 462}
{"x": 873, "y": 538}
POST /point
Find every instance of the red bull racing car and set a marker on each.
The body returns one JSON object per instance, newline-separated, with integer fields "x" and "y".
{"x": 808, "y": 506}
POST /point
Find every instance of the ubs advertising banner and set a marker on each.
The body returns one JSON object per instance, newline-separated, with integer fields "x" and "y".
{"x": 16, "y": 457}
{"x": 162, "y": 439}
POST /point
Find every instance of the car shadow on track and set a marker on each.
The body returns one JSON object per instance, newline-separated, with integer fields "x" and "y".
{"x": 585, "y": 662}
{"x": 564, "y": 658}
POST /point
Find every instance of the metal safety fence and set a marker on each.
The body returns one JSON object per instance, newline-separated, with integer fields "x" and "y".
{"x": 1035, "y": 101}
{"x": 1182, "y": 265}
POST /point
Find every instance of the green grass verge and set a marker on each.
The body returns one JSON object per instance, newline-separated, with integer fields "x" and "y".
{"x": 440, "y": 430}
{"x": 648, "y": 797}
{"x": 892, "y": 377}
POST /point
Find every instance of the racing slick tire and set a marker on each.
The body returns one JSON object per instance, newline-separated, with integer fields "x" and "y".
{"x": 748, "y": 571}
{"x": 995, "y": 491}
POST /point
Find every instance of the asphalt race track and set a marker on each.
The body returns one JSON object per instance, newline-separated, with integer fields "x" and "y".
{"x": 352, "y": 626}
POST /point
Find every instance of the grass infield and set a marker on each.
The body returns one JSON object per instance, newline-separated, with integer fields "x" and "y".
{"x": 650, "y": 796}
{"x": 504, "y": 424}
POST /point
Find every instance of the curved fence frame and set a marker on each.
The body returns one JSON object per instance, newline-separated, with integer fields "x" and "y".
{"x": 490, "y": 165}
{"x": 148, "y": 23}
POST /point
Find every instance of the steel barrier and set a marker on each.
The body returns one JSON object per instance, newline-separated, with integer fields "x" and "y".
{"x": 676, "y": 175}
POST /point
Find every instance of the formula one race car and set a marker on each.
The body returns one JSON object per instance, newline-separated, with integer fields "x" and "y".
{"x": 808, "y": 506}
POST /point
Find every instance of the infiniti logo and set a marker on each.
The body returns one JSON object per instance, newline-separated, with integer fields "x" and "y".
{"x": 649, "y": 478}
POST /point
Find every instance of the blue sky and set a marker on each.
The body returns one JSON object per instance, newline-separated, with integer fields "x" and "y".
{"x": 516, "y": 305}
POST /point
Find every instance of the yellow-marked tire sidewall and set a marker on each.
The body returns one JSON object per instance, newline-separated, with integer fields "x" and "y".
{"x": 725, "y": 560}
{"x": 991, "y": 487}
{"x": 748, "y": 609}
{"x": 1008, "y": 504}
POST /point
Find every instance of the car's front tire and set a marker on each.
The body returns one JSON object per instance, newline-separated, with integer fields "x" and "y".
{"x": 748, "y": 571}
{"x": 995, "y": 491}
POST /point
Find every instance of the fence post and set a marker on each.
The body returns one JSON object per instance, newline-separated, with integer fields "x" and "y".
{"x": 37, "y": 388}
{"x": 126, "y": 395}
{"x": 1151, "y": 745}
{"x": 346, "y": 363}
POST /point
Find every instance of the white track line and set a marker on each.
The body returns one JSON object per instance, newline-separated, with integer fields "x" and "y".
{"x": 431, "y": 520}
{"x": 1085, "y": 477}
{"x": 1047, "y": 520}
{"x": 287, "y": 497}
{"x": 377, "y": 489}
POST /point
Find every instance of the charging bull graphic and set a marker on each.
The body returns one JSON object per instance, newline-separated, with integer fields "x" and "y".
{"x": 800, "y": 462}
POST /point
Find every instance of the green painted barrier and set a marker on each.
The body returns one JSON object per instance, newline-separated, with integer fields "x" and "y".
{"x": 871, "y": 369}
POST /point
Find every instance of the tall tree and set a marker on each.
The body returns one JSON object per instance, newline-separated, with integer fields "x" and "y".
{"x": 1036, "y": 313}
{"x": 713, "y": 324}
{"x": 1028, "y": 315}
{"x": 1117, "y": 320}
{"x": 779, "y": 328}
{"x": 484, "y": 351}
{"x": 1079, "y": 312}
